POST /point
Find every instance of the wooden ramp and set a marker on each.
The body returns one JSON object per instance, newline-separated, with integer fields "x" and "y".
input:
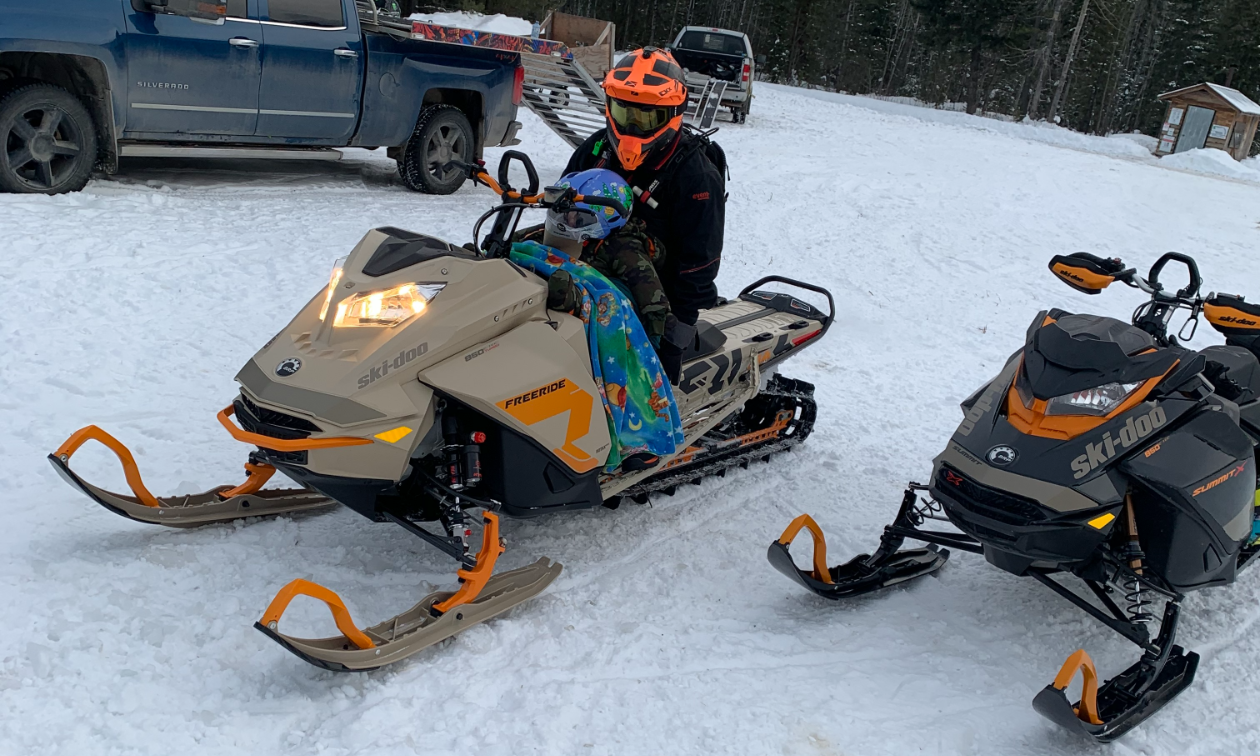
{"x": 563, "y": 87}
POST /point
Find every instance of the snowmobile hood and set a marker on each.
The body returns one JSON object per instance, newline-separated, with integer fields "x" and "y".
{"x": 1066, "y": 353}
{"x": 349, "y": 375}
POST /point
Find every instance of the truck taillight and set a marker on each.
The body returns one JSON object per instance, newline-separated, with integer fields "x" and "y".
{"x": 518, "y": 84}
{"x": 747, "y": 71}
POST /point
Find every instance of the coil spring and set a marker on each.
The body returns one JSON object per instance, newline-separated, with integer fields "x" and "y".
{"x": 926, "y": 509}
{"x": 1136, "y": 601}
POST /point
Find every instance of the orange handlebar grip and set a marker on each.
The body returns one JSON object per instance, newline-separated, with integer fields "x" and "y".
{"x": 340, "y": 614}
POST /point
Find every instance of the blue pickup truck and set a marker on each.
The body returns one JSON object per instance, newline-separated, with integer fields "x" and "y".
{"x": 83, "y": 82}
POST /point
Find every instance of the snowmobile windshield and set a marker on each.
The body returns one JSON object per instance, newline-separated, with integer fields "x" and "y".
{"x": 635, "y": 120}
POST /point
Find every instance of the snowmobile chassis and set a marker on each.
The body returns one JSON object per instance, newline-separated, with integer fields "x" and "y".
{"x": 1104, "y": 712}
{"x": 737, "y": 420}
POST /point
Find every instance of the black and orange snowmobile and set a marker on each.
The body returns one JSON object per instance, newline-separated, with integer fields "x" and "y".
{"x": 1108, "y": 462}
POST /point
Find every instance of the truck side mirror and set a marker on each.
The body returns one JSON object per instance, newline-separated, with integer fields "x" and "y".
{"x": 761, "y": 60}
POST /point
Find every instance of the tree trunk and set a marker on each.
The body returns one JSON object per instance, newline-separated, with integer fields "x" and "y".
{"x": 1047, "y": 58}
{"x": 973, "y": 80}
{"x": 1067, "y": 63}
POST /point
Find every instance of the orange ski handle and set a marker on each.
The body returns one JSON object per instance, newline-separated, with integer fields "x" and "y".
{"x": 130, "y": 470}
{"x": 475, "y": 579}
{"x": 281, "y": 444}
{"x": 341, "y": 615}
{"x": 1087, "y": 711}
{"x": 821, "y": 573}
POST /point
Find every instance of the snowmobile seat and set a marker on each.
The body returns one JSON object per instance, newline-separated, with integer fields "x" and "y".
{"x": 1235, "y": 372}
{"x": 709, "y": 338}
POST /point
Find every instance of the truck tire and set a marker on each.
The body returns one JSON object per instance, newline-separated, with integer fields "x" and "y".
{"x": 48, "y": 141}
{"x": 442, "y": 134}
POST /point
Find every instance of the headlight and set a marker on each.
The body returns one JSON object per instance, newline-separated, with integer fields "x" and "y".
{"x": 1098, "y": 401}
{"x": 387, "y": 307}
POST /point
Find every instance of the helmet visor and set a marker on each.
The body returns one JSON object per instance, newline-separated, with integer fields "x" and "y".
{"x": 636, "y": 120}
{"x": 577, "y": 223}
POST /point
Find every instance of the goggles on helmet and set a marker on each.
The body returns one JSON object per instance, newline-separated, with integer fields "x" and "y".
{"x": 637, "y": 120}
{"x": 577, "y": 224}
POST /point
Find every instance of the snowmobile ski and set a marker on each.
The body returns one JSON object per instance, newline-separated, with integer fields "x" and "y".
{"x": 865, "y": 573}
{"x": 437, "y": 617}
{"x": 220, "y": 504}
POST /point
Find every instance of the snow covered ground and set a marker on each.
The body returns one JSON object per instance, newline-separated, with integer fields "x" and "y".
{"x": 131, "y": 305}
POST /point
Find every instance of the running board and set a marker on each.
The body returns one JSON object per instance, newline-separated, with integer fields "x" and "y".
{"x": 266, "y": 153}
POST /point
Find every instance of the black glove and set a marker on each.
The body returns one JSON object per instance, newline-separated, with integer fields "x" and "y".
{"x": 671, "y": 361}
{"x": 678, "y": 336}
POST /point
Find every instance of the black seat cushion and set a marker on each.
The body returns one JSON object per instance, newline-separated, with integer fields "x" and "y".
{"x": 709, "y": 338}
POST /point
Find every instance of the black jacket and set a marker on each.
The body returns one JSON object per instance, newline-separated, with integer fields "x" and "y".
{"x": 688, "y": 219}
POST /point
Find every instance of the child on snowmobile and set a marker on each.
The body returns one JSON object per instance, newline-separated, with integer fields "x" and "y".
{"x": 600, "y": 268}
{"x": 619, "y": 248}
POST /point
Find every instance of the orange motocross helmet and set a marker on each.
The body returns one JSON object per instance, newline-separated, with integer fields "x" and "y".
{"x": 646, "y": 97}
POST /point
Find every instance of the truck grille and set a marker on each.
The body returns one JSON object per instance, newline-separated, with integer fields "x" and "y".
{"x": 988, "y": 502}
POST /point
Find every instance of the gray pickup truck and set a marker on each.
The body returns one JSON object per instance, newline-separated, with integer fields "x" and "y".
{"x": 83, "y": 82}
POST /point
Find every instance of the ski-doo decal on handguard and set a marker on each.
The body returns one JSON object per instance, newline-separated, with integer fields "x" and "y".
{"x": 1133, "y": 431}
{"x": 551, "y": 400}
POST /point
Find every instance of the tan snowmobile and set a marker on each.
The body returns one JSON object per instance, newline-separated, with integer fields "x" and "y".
{"x": 427, "y": 380}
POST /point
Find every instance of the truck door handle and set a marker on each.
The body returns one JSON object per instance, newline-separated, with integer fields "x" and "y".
{"x": 242, "y": 42}
{"x": 343, "y": 52}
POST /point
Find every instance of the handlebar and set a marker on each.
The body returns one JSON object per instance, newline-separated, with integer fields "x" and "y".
{"x": 1196, "y": 281}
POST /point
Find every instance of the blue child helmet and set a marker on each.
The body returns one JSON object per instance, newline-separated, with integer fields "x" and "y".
{"x": 592, "y": 221}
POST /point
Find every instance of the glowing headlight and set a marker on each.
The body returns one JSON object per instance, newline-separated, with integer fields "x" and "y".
{"x": 388, "y": 307}
{"x": 1097, "y": 401}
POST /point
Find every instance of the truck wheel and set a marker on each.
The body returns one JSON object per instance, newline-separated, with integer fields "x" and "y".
{"x": 442, "y": 134}
{"x": 47, "y": 141}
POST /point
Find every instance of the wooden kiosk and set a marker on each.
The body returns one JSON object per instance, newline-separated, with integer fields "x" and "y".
{"x": 1208, "y": 115}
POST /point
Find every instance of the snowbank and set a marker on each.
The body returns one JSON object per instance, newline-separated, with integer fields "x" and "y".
{"x": 1147, "y": 142}
{"x": 1215, "y": 162}
{"x": 497, "y": 23}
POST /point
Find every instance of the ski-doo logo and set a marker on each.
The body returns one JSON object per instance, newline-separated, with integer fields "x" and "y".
{"x": 288, "y": 367}
{"x": 1238, "y": 470}
{"x": 530, "y": 396}
{"x": 380, "y": 371}
{"x": 1238, "y": 320}
{"x": 982, "y": 405}
{"x": 1002, "y": 456}
{"x": 1132, "y": 432}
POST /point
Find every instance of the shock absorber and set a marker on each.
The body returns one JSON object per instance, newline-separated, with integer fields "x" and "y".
{"x": 453, "y": 457}
{"x": 1133, "y": 593}
{"x": 472, "y": 458}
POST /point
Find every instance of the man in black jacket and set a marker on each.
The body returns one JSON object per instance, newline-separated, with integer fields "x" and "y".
{"x": 680, "y": 193}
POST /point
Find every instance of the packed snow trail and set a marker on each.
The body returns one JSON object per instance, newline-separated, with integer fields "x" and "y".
{"x": 132, "y": 304}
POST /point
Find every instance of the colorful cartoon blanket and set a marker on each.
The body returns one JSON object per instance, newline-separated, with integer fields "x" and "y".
{"x": 639, "y": 402}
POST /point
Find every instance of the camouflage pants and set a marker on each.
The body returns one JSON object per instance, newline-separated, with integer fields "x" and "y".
{"x": 630, "y": 257}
